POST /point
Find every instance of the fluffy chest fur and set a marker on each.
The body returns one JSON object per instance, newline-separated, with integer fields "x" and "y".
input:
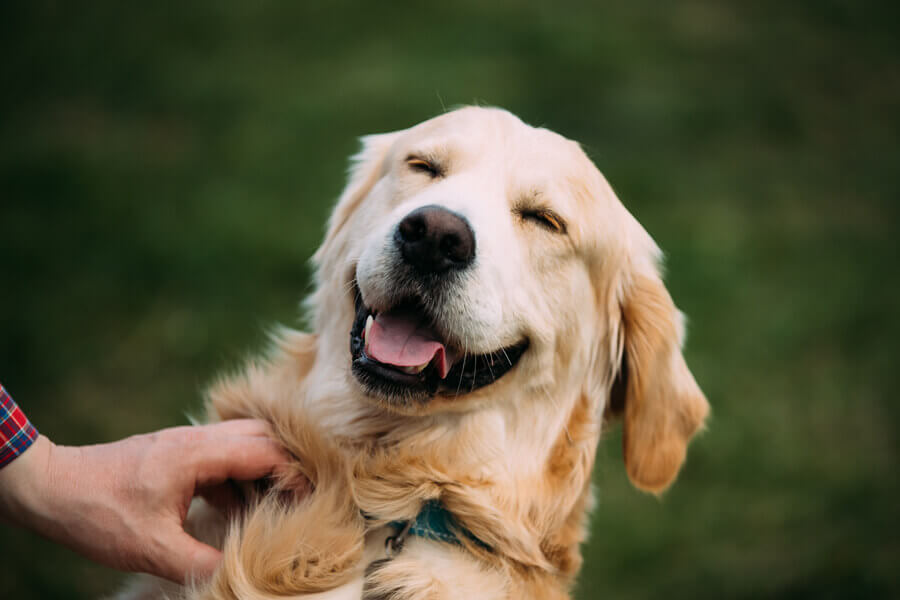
{"x": 522, "y": 496}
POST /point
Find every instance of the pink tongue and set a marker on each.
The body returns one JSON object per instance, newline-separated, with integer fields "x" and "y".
{"x": 403, "y": 340}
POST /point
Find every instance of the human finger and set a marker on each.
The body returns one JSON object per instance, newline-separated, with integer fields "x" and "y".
{"x": 236, "y": 457}
{"x": 251, "y": 427}
{"x": 187, "y": 558}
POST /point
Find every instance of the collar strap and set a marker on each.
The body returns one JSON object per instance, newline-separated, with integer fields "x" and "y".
{"x": 434, "y": 522}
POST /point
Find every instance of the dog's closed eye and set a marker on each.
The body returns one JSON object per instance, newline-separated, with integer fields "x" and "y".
{"x": 543, "y": 217}
{"x": 430, "y": 168}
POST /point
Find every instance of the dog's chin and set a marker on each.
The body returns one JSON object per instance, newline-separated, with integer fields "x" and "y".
{"x": 395, "y": 392}
{"x": 450, "y": 374}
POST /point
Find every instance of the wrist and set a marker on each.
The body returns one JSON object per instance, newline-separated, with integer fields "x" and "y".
{"x": 23, "y": 483}
{"x": 37, "y": 494}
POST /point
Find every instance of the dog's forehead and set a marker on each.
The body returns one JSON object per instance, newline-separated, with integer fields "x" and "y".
{"x": 531, "y": 159}
{"x": 493, "y": 130}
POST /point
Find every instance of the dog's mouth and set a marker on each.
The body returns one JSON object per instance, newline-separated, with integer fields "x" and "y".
{"x": 398, "y": 354}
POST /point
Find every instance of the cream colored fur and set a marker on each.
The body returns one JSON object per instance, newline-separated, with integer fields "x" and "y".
{"x": 512, "y": 460}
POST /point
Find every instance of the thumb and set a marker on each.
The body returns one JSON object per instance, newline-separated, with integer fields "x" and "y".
{"x": 187, "y": 559}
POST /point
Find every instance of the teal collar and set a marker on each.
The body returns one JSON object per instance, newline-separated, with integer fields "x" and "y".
{"x": 434, "y": 522}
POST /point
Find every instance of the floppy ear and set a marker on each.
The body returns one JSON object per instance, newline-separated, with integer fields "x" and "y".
{"x": 331, "y": 259}
{"x": 366, "y": 168}
{"x": 663, "y": 405}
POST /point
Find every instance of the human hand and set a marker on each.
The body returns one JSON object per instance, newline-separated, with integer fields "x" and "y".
{"x": 124, "y": 504}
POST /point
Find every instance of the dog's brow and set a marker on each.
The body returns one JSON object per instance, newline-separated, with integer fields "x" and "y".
{"x": 429, "y": 152}
{"x": 532, "y": 197}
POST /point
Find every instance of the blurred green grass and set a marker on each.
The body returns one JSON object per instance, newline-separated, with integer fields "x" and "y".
{"x": 165, "y": 173}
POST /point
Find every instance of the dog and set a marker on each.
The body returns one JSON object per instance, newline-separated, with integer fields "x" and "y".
{"x": 483, "y": 305}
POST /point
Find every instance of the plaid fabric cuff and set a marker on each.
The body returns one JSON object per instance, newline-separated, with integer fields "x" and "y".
{"x": 16, "y": 431}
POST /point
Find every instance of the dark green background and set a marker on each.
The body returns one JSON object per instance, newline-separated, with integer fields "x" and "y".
{"x": 166, "y": 169}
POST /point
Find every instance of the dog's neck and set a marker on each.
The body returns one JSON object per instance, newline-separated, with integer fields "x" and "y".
{"x": 515, "y": 473}
{"x": 517, "y": 470}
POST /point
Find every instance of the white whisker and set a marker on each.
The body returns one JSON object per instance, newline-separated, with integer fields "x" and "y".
{"x": 348, "y": 287}
{"x": 462, "y": 369}
{"x": 474, "y": 372}
{"x": 506, "y": 356}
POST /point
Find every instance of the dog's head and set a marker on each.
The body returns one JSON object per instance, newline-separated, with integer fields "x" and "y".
{"x": 473, "y": 259}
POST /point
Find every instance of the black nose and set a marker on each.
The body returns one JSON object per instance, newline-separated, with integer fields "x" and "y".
{"x": 433, "y": 240}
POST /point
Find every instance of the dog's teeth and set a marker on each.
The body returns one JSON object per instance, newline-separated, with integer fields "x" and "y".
{"x": 369, "y": 321}
{"x": 414, "y": 370}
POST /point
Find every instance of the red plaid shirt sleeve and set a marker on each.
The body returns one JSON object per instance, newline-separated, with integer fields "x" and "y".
{"x": 16, "y": 431}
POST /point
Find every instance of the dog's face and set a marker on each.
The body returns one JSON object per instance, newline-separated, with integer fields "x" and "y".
{"x": 473, "y": 257}
{"x": 489, "y": 259}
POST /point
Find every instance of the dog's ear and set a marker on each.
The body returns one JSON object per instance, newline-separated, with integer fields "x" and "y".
{"x": 366, "y": 168}
{"x": 663, "y": 406}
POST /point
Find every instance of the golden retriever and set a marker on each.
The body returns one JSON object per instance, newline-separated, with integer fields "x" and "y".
{"x": 483, "y": 302}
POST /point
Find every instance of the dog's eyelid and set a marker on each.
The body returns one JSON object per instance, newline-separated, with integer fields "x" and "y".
{"x": 425, "y": 164}
{"x": 546, "y": 217}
